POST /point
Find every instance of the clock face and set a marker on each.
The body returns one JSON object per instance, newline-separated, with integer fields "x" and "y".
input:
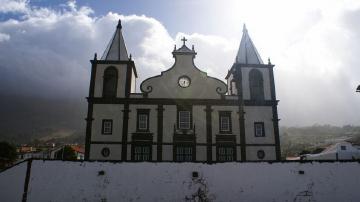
{"x": 184, "y": 81}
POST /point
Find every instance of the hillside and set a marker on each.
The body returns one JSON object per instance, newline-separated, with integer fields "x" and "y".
{"x": 297, "y": 139}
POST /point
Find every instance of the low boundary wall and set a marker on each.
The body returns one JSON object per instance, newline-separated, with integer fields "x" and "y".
{"x": 53, "y": 180}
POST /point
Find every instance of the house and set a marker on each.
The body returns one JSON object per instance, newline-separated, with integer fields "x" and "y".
{"x": 79, "y": 151}
{"x": 182, "y": 114}
{"x": 338, "y": 151}
{"x": 58, "y": 152}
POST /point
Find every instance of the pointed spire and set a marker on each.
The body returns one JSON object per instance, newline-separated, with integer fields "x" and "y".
{"x": 119, "y": 24}
{"x": 116, "y": 49}
{"x": 247, "y": 53}
{"x": 244, "y": 28}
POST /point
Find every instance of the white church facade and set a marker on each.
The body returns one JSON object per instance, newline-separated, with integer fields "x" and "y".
{"x": 182, "y": 114}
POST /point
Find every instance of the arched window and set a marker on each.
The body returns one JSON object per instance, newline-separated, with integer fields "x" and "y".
{"x": 110, "y": 82}
{"x": 256, "y": 85}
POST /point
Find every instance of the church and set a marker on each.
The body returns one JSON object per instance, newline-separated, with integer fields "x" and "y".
{"x": 182, "y": 114}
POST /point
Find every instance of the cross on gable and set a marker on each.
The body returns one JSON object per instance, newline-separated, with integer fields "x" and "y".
{"x": 184, "y": 40}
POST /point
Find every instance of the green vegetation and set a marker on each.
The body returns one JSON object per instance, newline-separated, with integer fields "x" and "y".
{"x": 313, "y": 139}
{"x": 67, "y": 153}
{"x": 7, "y": 154}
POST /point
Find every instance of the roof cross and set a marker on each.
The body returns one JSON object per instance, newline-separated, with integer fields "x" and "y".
{"x": 184, "y": 40}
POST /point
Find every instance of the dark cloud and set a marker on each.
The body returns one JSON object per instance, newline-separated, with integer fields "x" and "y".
{"x": 45, "y": 69}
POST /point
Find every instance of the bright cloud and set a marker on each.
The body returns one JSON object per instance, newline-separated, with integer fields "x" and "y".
{"x": 13, "y": 6}
{"x": 46, "y": 53}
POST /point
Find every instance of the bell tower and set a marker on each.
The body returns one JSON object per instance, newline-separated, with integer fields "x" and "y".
{"x": 113, "y": 76}
{"x": 252, "y": 82}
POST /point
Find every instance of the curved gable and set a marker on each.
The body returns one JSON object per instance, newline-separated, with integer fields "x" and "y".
{"x": 166, "y": 85}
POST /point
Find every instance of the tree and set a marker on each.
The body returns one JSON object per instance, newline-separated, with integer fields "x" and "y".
{"x": 7, "y": 154}
{"x": 66, "y": 153}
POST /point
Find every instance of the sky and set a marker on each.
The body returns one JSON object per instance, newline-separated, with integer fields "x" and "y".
{"x": 45, "y": 48}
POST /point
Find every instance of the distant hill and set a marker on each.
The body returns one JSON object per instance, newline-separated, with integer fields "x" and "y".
{"x": 297, "y": 139}
{"x": 25, "y": 119}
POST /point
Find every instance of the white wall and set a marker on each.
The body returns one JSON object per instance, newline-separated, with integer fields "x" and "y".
{"x": 115, "y": 151}
{"x": 12, "y": 183}
{"x": 259, "y": 114}
{"x": 251, "y": 152}
{"x": 276, "y": 182}
{"x": 107, "y": 111}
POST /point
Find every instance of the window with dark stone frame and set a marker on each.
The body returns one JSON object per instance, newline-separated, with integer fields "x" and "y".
{"x": 105, "y": 152}
{"x": 184, "y": 153}
{"x": 107, "y": 126}
{"x": 141, "y": 152}
{"x": 225, "y": 153}
{"x": 110, "y": 82}
{"x": 225, "y": 125}
{"x": 260, "y": 154}
{"x": 259, "y": 129}
{"x": 184, "y": 117}
{"x": 256, "y": 85}
{"x": 142, "y": 124}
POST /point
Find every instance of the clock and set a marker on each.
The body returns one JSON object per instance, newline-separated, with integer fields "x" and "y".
{"x": 184, "y": 81}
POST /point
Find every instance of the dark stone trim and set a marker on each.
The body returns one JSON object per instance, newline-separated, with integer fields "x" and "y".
{"x": 261, "y": 145}
{"x": 160, "y": 124}
{"x": 255, "y": 162}
{"x": 106, "y": 142}
{"x": 226, "y": 139}
{"x": 180, "y": 141}
{"x": 238, "y": 65}
{"x": 125, "y": 131}
{"x": 126, "y": 62}
{"x": 130, "y": 62}
{"x": 238, "y": 78}
{"x": 27, "y": 180}
{"x": 146, "y": 112}
{"x": 89, "y": 117}
{"x": 181, "y": 102}
{"x": 128, "y": 81}
{"x": 275, "y": 115}
{"x": 227, "y": 114}
{"x": 208, "y": 111}
{"x": 142, "y": 137}
{"x": 180, "y": 138}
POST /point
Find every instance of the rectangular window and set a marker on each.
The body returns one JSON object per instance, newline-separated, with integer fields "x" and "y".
{"x": 142, "y": 153}
{"x": 343, "y": 147}
{"x": 143, "y": 119}
{"x": 259, "y": 129}
{"x": 184, "y": 119}
{"x": 184, "y": 153}
{"x": 225, "y": 153}
{"x": 225, "y": 121}
{"x": 143, "y": 122}
{"x": 107, "y": 125}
